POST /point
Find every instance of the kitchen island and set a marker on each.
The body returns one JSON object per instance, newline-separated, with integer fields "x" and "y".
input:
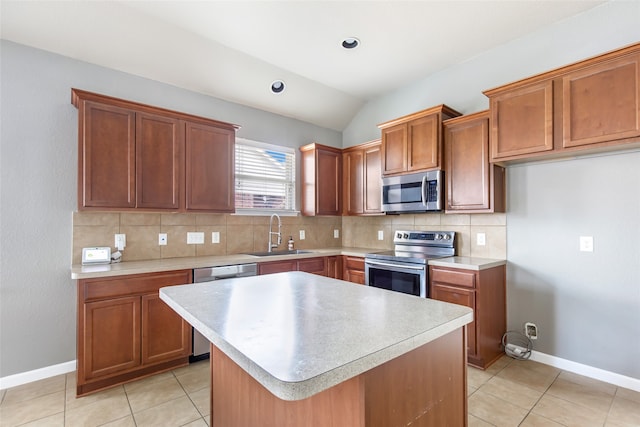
{"x": 296, "y": 349}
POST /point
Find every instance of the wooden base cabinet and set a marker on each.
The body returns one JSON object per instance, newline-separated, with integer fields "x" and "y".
{"x": 126, "y": 332}
{"x": 353, "y": 269}
{"x": 485, "y": 292}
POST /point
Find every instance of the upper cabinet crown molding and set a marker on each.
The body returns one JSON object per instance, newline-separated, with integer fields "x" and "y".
{"x": 133, "y": 156}
{"x": 413, "y": 143}
{"x": 589, "y": 106}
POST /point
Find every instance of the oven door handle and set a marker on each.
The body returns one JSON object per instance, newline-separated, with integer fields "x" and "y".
{"x": 386, "y": 264}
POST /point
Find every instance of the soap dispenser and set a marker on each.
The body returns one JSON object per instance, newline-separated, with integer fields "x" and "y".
{"x": 290, "y": 243}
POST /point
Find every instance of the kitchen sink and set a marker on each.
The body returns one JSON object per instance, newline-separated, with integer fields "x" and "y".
{"x": 274, "y": 253}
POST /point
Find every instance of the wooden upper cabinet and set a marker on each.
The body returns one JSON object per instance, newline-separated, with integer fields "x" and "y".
{"x": 587, "y": 107}
{"x": 210, "y": 164}
{"x": 138, "y": 157}
{"x": 522, "y": 121}
{"x": 159, "y": 161}
{"x": 362, "y": 172}
{"x": 106, "y": 172}
{"x": 413, "y": 143}
{"x": 473, "y": 184}
{"x": 601, "y": 103}
{"x": 321, "y": 176}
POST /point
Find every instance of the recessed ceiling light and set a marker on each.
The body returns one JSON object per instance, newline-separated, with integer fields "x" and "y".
{"x": 350, "y": 43}
{"x": 277, "y": 86}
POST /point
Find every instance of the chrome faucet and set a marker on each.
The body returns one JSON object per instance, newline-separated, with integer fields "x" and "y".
{"x": 271, "y": 233}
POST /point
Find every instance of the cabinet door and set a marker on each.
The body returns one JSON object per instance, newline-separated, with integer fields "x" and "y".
{"x": 354, "y": 269}
{"x": 423, "y": 150}
{"x": 313, "y": 265}
{"x": 277, "y": 267}
{"x": 372, "y": 180}
{"x": 462, "y": 297}
{"x": 522, "y": 121}
{"x": 329, "y": 182}
{"x": 353, "y": 167}
{"x": 165, "y": 335}
{"x": 110, "y": 337}
{"x": 106, "y": 156}
{"x": 394, "y": 149}
{"x": 334, "y": 267}
{"x": 210, "y": 168}
{"x": 601, "y": 103}
{"x": 159, "y": 161}
{"x": 467, "y": 165}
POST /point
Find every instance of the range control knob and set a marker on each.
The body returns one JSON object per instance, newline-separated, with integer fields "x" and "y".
{"x": 447, "y": 237}
{"x": 438, "y": 236}
{"x": 406, "y": 236}
{"x": 399, "y": 236}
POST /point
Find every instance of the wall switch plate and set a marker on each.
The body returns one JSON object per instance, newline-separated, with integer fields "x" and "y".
{"x": 586, "y": 243}
{"x": 302, "y": 235}
{"x": 162, "y": 239}
{"x": 481, "y": 239}
{"x": 120, "y": 241}
{"x": 380, "y": 235}
{"x": 336, "y": 234}
{"x": 215, "y": 237}
{"x": 195, "y": 238}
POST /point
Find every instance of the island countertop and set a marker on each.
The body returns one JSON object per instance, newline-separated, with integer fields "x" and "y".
{"x": 298, "y": 334}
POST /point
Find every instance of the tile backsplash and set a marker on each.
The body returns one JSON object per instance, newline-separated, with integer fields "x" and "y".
{"x": 240, "y": 233}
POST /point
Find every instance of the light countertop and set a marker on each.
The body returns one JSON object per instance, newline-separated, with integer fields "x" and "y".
{"x": 186, "y": 263}
{"x": 467, "y": 263}
{"x": 298, "y": 334}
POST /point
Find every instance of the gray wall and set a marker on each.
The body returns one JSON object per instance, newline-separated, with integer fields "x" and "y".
{"x": 38, "y": 187}
{"x": 586, "y": 305}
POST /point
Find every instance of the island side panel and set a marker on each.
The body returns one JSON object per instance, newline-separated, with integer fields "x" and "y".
{"x": 239, "y": 400}
{"x": 423, "y": 388}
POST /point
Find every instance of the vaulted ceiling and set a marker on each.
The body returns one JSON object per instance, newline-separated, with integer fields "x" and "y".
{"x": 235, "y": 50}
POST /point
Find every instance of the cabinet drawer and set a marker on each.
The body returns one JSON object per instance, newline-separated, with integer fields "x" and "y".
{"x": 354, "y": 263}
{"x": 277, "y": 267}
{"x": 313, "y": 265}
{"x": 454, "y": 277}
{"x": 97, "y": 289}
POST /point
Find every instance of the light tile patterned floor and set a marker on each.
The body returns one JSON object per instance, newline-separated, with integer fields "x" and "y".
{"x": 510, "y": 393}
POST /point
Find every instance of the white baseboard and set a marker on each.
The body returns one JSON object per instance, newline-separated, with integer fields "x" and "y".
{"x": 557, "y": 362}
{"x": 587, "y": 371}
{"x": 37, "y": 374}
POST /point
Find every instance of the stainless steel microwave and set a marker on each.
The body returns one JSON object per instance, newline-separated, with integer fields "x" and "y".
{"x": 417, "y": 192}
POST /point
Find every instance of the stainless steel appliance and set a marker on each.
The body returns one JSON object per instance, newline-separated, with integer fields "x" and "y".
{"x": 417, "y": 192}
{"x": 208, "y": 274}
{"x": 405, "y": 268}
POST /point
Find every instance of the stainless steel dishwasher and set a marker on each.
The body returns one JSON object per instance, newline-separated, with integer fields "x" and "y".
{"x": 208, "y": 274}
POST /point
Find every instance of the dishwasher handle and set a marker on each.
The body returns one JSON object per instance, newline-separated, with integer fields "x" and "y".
{"x": 224, "y": 272}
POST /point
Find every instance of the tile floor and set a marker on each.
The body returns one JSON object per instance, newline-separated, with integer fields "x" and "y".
{"x": 509, "y": 393}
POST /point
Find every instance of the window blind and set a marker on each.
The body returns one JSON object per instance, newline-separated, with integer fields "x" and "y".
{"x": 265, "y": 176}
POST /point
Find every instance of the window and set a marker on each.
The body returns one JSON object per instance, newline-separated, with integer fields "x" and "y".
{"x": 265, "y": 177}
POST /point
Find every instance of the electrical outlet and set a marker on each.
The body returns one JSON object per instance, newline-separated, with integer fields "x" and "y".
{"x": 195, "y": 238}
{"x": 336, "y": 234}
{"x": 120, "y": 241}
{"x": 531, "y": 330}
{"x": 162, "y": 239}
{"x": 302, "y": 235}
{"x": 586, "y": 243}
{"x": 481, "y": 239}
{"x": 215, "y": 237}
{"x": 380, "y": 235}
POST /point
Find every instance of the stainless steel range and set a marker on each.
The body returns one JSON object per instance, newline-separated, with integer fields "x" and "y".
{"x": 405, "y": 268}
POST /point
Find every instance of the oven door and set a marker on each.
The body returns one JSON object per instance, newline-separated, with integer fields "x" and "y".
{"x": 396, "y": 276}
